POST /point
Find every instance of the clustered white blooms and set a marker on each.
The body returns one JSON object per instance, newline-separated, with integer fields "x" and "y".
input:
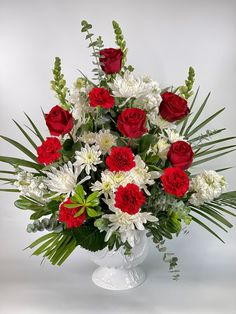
{"x": 206, "y": 187}
{"x": 104, "y": 139}
{"x": 126, "y": 224}
{"x": 29, "y": 185}
{"x": 64, "y": 179}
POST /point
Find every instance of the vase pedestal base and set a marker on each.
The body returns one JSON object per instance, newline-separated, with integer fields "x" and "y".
{"x": 118, "y": 278}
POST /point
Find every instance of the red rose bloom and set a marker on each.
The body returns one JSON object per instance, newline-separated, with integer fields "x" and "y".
{"x": 173, "y": 107}
{"x": 175, "y": 181}
{"x": 59, "y": 121}
{"x": 48, "y": 152}
{"x": 67, "y": 215}
{"x": 111, "y": 60}
{"x": 132, "y": 122}
{"x": 129, "y": 199}
{"x": 120, "y": 159}
{"x": 180, "y": 155}
{"x": 100, "y": 96}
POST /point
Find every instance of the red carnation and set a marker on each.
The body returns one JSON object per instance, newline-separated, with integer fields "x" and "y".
{"x": 129, "y": 199}
{"x": 67, "y": 215}
{"x": 111, "y": 60}
{"x": 100, "y": 96}
{"x": 48, "y": 152}
{"x": 173, "y": 107}
{"x": 120, "y": 159}
{"x": 175, "y": 181}
{"x": 180, "y": 155}
{"x": 132, "y": 122}
{"x": 59, "y": 121}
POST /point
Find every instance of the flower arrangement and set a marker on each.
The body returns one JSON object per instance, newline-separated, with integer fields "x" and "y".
{"x": 120, "y": 158}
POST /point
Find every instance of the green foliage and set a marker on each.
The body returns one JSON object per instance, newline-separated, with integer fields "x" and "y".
{"x": 89, "y": 204}
{"x": 39, "y": 209}
{"x": 186, "y": 90}
{"x": 88, "y": 237}
{"x": 96, "y": 45}
{"x": 15, "y": 162}
{"x": 58, "y": 85}
{"x": 49, "y": 224}
{"x": 56, "y": 247}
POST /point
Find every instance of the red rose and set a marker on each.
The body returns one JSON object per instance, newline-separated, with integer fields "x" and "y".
{"x": 129, "y": 199}
{"x": 48, "y": 152}
{"x": 67, "y": 215}
{"x": 132, "y": 122}
{"x": 180, "y": 155}
{"x": 111, "y": 60}
{"x": 120, "y": 159}
{"x": 175, "y": 181}
{"x": 173, "y": 107}
{"x": 59, "y": 121}
{"x": 100, "y": 96}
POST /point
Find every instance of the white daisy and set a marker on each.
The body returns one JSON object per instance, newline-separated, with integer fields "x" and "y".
{"x": 105, "y": 140}
{"x": 88, "y": 157}
{"x": 107, "y": 186}
{"x": 64, "y": 179}
{"x": 206, "y": 187}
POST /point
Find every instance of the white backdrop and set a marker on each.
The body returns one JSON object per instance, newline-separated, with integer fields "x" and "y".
{"x": 164, "y": 38}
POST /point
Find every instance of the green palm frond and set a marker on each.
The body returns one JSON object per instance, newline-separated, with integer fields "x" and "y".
{"x": 214, "y": 212}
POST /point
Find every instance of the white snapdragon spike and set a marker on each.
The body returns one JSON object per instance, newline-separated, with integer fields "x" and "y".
{"x": 105, "y": 140}
{"x": 107, "y": 186}
{"x": 64, "y": 179}
{"x": 126, "y": 224}
{"x": 206, "y": 187}
{"x": 79, "y": 98}
{"x": 32, "y": 186}
{"x": 140, "y": 176}
{"x": 88, "y": 157}
{"x": 172, "y": 136}
{"x": 88, "y": 137}
{"x": 129, "y": 86}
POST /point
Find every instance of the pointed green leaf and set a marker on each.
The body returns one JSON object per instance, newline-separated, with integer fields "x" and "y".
{"x": 42, "y": 239}
{"x": 35, "y": 129}
{"x": 92, "y": 212}
{"x": 26, "y": 135}
{"x": 20, "y": 147}
{"x": 80, "y": 212}
{"x": 205, "y": 227}
{"x": 205, "y": 135}
{"x": 196, "y": 116}
{"x": 212, "y": 151}
{"x": 210, "y": 158}
{"x": 216, "y": 141}
{"x": 20, "y": 162}
{"x": 205, "y": 122}
{"x": 9, "y": 190}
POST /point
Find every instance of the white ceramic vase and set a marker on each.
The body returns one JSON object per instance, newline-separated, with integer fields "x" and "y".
{"x": 118, "y": 271}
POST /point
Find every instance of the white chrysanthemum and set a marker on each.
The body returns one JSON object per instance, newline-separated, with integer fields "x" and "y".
{"x": 105, "y": 140}
{"x": 107, "y": 186}
{"x": 172, "y": 136}
{"x": 206, "y": 187}
{"x": 64, "y": 179}
{"x": 140, "y": 176}
{"x": 88, "y": 157}
{"x": 163, "y": 124}
{"x": 126, "y": 224}
{"x": 29, "y": 185}
{"x": 88, "y": 138}
{"x": 130, "y": 86}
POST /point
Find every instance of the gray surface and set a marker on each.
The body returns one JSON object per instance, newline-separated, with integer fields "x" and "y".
{"x": 164, "y": 38}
